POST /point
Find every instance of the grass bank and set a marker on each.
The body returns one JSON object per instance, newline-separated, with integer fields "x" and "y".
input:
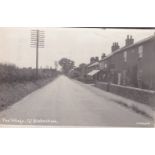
{"x": 13, "y": 92}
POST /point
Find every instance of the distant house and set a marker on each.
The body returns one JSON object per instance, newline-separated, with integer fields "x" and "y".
{"x": 93, "y": 66}
{"x": 133, "y": 64}
{"x": 74, "y": 73}
{"x": 93, "y": 70}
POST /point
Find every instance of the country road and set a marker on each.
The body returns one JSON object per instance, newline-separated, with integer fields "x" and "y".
{"x": 66, "y": 102}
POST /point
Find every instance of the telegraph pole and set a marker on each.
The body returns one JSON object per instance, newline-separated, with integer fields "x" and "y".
{"x": 37, "y": 41}
{"x": 37, "y": 52}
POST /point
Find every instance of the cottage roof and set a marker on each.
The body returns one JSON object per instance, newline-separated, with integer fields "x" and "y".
{"x": 94, "y": 64}
{"x": 130, "y": 46}
{"x": 93, "y": 72}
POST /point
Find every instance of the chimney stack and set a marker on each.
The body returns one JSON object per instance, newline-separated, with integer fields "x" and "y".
{"x": 129, "y": 40}
{"x": 115, "y": 46}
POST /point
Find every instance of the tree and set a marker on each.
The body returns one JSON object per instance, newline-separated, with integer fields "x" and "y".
{"x": 96, "y": 59}
{"x": 66, "y": 65}
{"x": 83, "y": 69}
{"x": 56, "y": 65}
{"x": 82, "y": 65}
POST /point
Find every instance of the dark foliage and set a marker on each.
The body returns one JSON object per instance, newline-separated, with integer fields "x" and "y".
{"x": 11, "y": 73}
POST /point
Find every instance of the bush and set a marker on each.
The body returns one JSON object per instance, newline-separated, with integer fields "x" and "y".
{"x": 11, "y": 73}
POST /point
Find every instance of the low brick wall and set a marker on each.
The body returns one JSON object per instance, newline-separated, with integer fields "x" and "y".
{"x": 102, "y": 85}
{"x": 140, "y": 95}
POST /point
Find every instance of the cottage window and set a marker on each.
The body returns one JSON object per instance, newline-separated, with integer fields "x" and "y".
{"x": 119, "y": 78}
{"x": 140, "y": 51}
{"x": 105, "y": 65}
{"x": 124, "y": 77}
{"x": 125, "y": 56}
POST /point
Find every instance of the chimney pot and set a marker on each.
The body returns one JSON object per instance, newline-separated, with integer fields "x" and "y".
{"x": 131, "y": 40}
{"x": 127, "y": 41}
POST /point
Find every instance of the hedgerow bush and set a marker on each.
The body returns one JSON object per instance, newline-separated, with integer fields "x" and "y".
{"x": 11, "y": 73}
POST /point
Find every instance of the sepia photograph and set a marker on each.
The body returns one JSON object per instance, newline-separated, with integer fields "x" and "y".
{"x": 77, "y": 77}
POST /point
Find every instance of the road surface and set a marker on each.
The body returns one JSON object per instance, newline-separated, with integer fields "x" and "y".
{"x": 66, "y": 102}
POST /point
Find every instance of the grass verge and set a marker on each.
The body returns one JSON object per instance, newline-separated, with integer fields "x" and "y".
{"x": 13, "y": 92}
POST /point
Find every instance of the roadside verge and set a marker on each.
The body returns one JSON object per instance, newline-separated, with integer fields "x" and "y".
{"x": 13, "y": 92}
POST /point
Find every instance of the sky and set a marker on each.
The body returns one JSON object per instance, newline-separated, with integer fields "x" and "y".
{"x": 77, "y": 44}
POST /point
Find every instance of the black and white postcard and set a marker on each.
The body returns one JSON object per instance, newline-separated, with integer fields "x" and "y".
{"x": 77, "y": 77}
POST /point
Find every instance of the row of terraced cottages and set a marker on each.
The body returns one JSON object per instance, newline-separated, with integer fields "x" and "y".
{"x": 132, "y": 65}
